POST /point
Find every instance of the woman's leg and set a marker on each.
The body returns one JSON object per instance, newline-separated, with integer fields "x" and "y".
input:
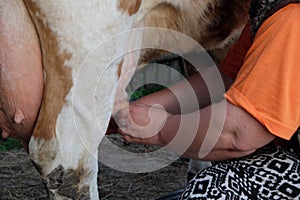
{"x": 269, "y": 173}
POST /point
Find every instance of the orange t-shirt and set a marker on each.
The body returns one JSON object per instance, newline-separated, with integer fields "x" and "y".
{"x": 268, "y": 84}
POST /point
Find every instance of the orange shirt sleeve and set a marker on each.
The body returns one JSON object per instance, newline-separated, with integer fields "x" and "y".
{"x": 235, "y": 57}
{"x": 268, "y": 84}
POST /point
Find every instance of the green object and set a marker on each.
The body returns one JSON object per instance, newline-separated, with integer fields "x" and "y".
{"x": 145, "y": 90}
{"x": 10, "y": 144}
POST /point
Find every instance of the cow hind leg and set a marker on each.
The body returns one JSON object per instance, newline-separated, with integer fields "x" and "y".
{"x": 68, "y": 168}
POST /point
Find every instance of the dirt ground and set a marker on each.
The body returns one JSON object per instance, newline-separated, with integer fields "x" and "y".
{"x": 20, "y": 180}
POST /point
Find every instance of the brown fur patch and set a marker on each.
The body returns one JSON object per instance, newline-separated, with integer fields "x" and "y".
{"x": 163, "y": 16}
{"x": 210, "y": 25}
{"x": 58, "y": 79}
{"x": 120, "y": 68}
{"x": 129, "y": 6}
{"x": 224, "y": 17}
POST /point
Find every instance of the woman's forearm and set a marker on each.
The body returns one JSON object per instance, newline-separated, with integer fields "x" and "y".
{"x": 193, "y": 91}
{"x": 232, "y": 133}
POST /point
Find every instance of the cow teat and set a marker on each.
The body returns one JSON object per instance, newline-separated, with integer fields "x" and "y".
{"x": 18, "y": 117}
{"x": 4, "y": 134}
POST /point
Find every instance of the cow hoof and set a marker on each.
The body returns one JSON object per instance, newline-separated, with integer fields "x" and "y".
{"x": 65, "y": 184}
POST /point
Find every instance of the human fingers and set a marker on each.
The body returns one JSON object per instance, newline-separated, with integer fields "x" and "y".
{"x": 141, "y": 121}
{"x": 147, "y": 141}
{"x": 120, "y": 117}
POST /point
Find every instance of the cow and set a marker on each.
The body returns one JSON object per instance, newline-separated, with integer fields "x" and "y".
{"x": 71, "y": 86}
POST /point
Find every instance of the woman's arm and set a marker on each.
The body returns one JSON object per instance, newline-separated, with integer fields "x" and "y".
{"x": 193, "y": 85}
{"x": 236, "y": 135}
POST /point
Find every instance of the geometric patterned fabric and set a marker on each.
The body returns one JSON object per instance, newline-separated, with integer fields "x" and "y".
{"x": 269, "y": 173}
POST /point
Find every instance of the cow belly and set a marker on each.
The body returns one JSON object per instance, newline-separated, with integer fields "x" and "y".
{"x": 21, "y": 78}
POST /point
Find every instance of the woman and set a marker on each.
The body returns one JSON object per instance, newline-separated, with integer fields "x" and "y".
{"x": 256, "y": 153}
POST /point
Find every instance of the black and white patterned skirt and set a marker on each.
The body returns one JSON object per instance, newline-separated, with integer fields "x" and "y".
{"x": 270, "y": 173}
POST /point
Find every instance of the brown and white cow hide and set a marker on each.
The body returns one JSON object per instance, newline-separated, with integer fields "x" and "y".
{"x": 81, "y": 57}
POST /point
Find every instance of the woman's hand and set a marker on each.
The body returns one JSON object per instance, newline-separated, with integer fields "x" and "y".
{"x": 141, "y": 123}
